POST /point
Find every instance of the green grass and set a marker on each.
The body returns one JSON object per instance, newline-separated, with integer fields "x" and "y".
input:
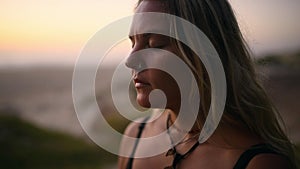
{"x": 25, "y": 146}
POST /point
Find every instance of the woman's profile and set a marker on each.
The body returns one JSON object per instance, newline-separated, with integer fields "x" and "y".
{"x": 249, "y": 134}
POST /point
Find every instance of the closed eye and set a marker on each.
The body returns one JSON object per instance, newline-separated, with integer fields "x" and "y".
{"x": 132, "y": 41}
{"x": 150, "y": 40}
{"x": 158, "y": 43}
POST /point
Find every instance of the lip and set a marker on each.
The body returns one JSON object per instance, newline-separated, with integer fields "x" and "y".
{"x": 139, "y": 83}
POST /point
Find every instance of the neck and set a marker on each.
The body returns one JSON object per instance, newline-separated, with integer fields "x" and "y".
{"x": 222, "y": 136}
{"x": 243, "y": 138}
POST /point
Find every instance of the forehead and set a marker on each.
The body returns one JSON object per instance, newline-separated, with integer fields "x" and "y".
{"x": 150, "y": 17}
{"x": 152, "y": 6}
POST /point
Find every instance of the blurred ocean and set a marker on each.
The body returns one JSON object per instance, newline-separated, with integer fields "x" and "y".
{"x": 43, "y": 95}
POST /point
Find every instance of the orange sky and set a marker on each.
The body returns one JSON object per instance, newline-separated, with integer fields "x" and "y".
{"x": 56, "y": 30}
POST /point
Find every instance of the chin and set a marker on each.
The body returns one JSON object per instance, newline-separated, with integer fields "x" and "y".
{"x": 143, "y": 101}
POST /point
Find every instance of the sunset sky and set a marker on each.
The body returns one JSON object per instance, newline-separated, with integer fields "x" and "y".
{"x": 55, "y": 31}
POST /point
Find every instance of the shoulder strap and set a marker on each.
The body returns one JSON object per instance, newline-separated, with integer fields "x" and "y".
{"x": 178, "y": 157}
{"x": 246, "y": 157}
{"x": 141, "y": 128}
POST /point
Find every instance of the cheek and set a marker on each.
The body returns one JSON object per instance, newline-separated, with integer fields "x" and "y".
{"x": 163, "y": 81}
{"x": 157, "y": 78}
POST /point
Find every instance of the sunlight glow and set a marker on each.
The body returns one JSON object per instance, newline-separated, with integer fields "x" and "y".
{"x": 37, "y": 29}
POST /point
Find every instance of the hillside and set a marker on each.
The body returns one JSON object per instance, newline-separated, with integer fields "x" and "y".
{"x": 25, "y": 146}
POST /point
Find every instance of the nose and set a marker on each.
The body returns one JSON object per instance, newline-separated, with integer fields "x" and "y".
{"x": 134, "y": 61}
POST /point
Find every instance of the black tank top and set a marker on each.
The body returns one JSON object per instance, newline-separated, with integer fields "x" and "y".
{"x": 241, "y": 163}
{"x": 141, "y": 128}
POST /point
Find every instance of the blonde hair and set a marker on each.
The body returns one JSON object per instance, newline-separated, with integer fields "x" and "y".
{"x": 246, "y": 100}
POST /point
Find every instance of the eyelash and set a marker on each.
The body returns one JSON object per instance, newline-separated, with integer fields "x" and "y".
{"x": 148, "y": 45}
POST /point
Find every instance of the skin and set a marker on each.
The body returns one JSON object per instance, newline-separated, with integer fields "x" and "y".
{"x": 150, "y": 79}
{"x": 221, "y": 150}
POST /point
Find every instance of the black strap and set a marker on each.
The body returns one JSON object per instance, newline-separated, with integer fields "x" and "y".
{"x": 141, "y": 128}
{"x": 246, "y": 157}
{"x": 178, "y": 157}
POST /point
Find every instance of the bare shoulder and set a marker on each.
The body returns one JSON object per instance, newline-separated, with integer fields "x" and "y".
{"x": 131, "y": 131}
{"x": 264, "y": 161}
{"x": 133, "y": 128}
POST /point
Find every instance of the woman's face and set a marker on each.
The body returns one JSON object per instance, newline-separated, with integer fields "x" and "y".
{"x": 149, "y": 79}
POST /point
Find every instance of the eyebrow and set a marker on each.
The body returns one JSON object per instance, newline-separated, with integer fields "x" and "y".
{"x": 145, "y": 35}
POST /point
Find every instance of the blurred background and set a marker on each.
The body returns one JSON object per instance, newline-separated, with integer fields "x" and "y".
{"x": 39, "y": 44}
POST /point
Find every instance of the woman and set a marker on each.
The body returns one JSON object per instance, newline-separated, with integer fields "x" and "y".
{"x": 248, "y": 135}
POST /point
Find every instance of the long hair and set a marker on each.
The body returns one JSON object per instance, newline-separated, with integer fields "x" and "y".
{"x": 246, "y": 100}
